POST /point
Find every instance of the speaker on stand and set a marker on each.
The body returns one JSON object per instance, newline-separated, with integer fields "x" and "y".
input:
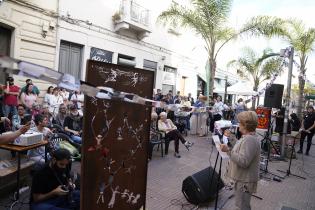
{"x": 273, "y": 96}
{"x": 273, "y": 99}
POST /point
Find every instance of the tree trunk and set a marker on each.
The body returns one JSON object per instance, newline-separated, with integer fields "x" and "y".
{"x": 212, "y": 68}
{"x": 254, "y": 100}
{"x": 301, "y": 99}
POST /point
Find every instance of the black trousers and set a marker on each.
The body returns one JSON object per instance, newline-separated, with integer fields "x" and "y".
{"x": 176, "y": 136}
{"x": 215, "y": 117}
{"x": 309, "y": 140}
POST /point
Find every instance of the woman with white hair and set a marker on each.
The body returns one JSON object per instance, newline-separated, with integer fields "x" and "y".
{"x": 154, "y": 133}
{"x": 167, "y": 126}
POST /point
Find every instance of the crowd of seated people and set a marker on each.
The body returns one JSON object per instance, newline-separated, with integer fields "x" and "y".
{"x": 26, "y": 110}
{"x": 19, "y": 106}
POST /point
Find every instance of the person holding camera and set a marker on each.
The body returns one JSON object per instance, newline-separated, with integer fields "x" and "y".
{"x": 52, "y": 187}
{"x": 11, "y": 93}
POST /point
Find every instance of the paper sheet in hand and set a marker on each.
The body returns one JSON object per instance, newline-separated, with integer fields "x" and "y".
{"x": 217, "y": 142}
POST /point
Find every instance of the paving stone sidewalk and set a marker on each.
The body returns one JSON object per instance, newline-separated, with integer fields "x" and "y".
{"x": 165, "y": 176}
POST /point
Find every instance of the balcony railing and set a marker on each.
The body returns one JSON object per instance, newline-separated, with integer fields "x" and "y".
{"x": 133, "y": 17}
{"x": 139, "y": 14}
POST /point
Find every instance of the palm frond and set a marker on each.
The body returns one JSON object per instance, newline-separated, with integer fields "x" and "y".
{"x": 216, "y": 11}
{"x": 226, "y": 33}
{"x": 270, "y": 67}
{"x": 242, "y": 73}
{"x": 265, "y": 56}
{"x": 265, "y": 26}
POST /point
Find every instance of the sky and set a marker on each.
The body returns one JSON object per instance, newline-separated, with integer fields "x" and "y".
{"x": 243, "y": 10}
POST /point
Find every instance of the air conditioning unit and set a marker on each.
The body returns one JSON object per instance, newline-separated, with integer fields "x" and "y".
{"x": 126, "y": 62}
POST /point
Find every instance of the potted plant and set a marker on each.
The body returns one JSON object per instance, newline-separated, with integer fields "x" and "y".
{"x": 116, "y": 17}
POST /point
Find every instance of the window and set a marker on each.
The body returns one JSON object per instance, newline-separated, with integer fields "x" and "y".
{"x": 70, "y": 58}
{"x": 126, "y": 60}
{"x": 149, "y": 65}
{"x": 169, "y": 69}
{"x": 152, "y": 66}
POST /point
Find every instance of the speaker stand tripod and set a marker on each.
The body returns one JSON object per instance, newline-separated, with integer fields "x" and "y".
{"x": 267, "y": 140}
{"x": 288, "y": 172}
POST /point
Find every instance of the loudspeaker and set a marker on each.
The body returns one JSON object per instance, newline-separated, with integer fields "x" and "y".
{"x": 273, "y": 96}
{"x": 196, "y": 188}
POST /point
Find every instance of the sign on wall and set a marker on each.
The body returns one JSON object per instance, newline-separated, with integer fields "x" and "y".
{"x": 116, "y": 133}
{"x": 168, "y": 78}
{"x": 101, "y": 55}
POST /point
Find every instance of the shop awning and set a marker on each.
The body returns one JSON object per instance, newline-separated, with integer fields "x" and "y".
{"x": 310, "y": 97}
{"x": 242, "y": 88}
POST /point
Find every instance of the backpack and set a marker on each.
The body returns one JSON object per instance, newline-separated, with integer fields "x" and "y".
{"x": 74, "y": 151}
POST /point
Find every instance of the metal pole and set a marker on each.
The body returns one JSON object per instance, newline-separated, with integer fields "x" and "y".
{"x": 287, "y": 101}
{"x": 225, "y": 89}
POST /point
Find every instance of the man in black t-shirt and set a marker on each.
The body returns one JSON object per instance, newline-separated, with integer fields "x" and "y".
{"x": 73, "y": 124}
{"x": 307, "y": 129}
{"x": 52, "y": 187}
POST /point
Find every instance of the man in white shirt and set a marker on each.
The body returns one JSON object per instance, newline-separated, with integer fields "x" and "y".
{"x": 38, "y": 154}
{"x": 77, "y": 99}
{"x": 217, "y": 112}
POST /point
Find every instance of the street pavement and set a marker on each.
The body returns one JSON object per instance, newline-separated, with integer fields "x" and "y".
{"x": 166, "y": 174}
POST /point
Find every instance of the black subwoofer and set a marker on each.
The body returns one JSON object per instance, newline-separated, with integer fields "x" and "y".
{"x": 198, "y": 188}
{"x": 273, "y": 96}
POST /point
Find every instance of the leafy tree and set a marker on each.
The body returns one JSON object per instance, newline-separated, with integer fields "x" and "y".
{"x": 295, "y": 33}
{"x": 208, "y": 18}
{"x": 255, "y": 68}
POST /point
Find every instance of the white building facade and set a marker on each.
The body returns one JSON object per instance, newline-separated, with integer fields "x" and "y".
{"x": 125, "y": 32}
{"x": 64, "y": 34}
{"x": 28, "y": 31}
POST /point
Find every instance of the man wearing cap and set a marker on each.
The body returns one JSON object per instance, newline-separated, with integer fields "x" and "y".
{"x": 73, "y": 124}
{"x": 11, "y": 93}
{"x": 307, "y": 129}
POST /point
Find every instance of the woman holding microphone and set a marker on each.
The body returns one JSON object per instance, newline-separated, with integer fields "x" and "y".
{"x": 243, "y": 167}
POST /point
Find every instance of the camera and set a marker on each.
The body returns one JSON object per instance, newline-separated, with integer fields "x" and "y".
{"x": 65, "y": 188}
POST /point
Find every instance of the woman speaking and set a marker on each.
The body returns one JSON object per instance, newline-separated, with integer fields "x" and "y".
{"x": 243, "y": 167}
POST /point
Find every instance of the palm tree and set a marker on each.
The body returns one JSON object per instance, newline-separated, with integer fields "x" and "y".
{"x": 208, "y": 18}
{"x": 256, "y": 68}
{"x": 293, "y": 32}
